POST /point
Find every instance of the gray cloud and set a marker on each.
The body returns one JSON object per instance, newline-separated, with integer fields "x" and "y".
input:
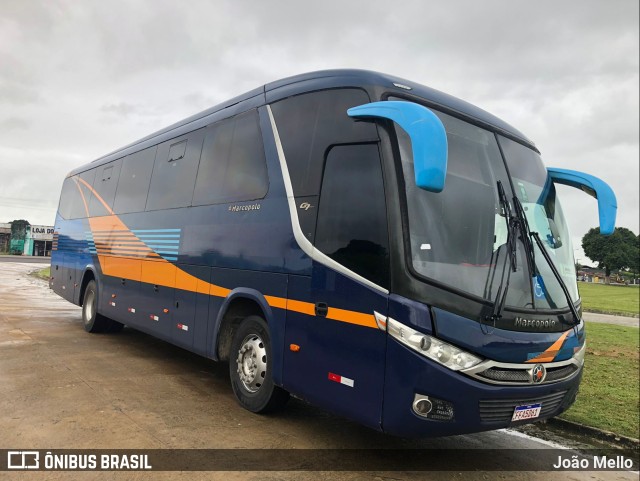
{"x": 14, "y": 123}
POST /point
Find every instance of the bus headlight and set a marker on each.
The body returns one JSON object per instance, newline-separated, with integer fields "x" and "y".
{"x": 442, "y": 352}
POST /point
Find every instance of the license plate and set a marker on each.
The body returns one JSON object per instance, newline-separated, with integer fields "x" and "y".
{"x": 529, "y": 411}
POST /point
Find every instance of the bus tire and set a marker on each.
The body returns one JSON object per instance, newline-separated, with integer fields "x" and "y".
{"x": 91, "y": 320}
{"x": 250, "y": 369}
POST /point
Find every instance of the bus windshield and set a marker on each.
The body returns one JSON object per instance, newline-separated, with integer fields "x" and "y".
{"x": 458, "y": 237}
{"x": 537, "y": 194}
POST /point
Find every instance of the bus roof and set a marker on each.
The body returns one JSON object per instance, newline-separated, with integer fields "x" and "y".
{"x": 307, "y": 82}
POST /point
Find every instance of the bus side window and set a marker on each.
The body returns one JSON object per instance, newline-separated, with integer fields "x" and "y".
{"x": 233, "y": 167}
{"x": 174, "y": 172}
{"x": 133, "y": 185}
{"x": 352, "y": 217}
{"x": 68, "y": 198}
{"x": 309, "y": 123}
{"x": 73, "y": 203}
{"x": 104, "y": 186}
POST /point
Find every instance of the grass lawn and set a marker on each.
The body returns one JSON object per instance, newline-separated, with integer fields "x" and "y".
{"x": 43, "y": 273}
{"x": 608, "y": 397}
{"x": 610, "y": 299}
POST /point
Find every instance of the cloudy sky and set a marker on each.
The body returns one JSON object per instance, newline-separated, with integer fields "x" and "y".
{"x": 79, "y": 79}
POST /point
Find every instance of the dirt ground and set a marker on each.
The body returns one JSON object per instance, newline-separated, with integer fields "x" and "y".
{"x": 61, "y": 388}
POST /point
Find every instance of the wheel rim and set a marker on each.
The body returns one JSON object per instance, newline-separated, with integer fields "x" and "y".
{"x": 88, "y": 307}
{"x": 252, "y": 362}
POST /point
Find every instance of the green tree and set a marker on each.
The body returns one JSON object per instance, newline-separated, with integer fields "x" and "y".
{"x": 619, "y": 250}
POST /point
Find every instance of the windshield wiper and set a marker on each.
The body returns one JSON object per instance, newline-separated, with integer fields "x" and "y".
{"x": 527, "y": 235}
{"x": 511, "y": 261}
{"x": 558, "y": 277}
{"x": 520, "y": 223}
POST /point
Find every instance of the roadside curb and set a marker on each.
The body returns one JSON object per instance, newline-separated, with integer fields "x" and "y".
{"x": 609, "y": 313}
{"x": 607, "y": 436}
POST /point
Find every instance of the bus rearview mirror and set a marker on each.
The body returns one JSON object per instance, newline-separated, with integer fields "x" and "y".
{"x": 607, "y": 203}
{"x": 427, "y": 134}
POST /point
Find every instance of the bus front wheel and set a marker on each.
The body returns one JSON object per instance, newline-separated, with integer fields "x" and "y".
{"x": 250, "y": 369}
{"x": 91, "y": 320}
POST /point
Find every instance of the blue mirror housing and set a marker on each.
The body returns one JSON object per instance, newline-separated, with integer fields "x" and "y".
{"x": 428, "y": 138}
{"x": 607, "y": 203}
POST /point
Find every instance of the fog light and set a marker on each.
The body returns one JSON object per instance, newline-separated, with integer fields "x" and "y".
{"x": 432, "y": 408}
{"x": 422, "y": 407}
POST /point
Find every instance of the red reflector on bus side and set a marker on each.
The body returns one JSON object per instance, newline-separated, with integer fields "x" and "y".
{"x": 341, "y": 379}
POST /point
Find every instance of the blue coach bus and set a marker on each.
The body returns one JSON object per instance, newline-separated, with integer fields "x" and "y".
{"x": 378, "y": 248}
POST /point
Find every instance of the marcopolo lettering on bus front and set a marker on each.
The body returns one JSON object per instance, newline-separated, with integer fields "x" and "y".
{"x": 537, "y": 323}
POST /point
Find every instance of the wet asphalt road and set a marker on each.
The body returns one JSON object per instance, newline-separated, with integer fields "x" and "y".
{"x": 25, "y": 259}
{"x": 63, "y": 388}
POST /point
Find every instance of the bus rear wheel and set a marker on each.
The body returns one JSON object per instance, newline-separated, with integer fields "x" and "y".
{"x": 250, "y": 369}
{"x": 91, "y": 320}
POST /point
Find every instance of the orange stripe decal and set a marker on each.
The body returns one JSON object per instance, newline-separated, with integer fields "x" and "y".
{"x": 279, "y": 302}
{"x": 84, "y": 201}
{"x": 352, "y": 317}
{"x": 110, "y": 233}
{"x": 97, "y": 197}
{"x": 301, "y": 307}
{"x": 552, "y": 351}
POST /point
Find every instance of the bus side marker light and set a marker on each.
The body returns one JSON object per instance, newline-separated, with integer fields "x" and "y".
{"x": 341, "y": 379}
{"x": 294, "y": 348}
{"x": 184, "y": 327}
{"x": 132, "y": 310}
{"x": 166, "y": 311}
{"x": 154, "y": 318}
{"x": 113, "y": 296}
{"x": 113, "y": 304}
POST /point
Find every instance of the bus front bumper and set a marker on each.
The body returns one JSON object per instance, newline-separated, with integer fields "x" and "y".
{"x": 457, "y": 403}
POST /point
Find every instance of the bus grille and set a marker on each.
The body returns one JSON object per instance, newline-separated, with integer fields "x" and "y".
{"x": 521, "y": 376}
{"x": 501, "y": 410}
{"x": 560, "y": 373}
{"x": 505, "y": 375}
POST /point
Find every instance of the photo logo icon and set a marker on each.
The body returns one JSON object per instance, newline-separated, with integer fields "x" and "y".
{"x": 23, "y": 460}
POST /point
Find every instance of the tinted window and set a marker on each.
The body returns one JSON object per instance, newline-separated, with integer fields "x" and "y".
{"x": 524, "y": 163}
{"x": 232, "y": 167}
{"x": 309, "y": 124}
{"x": 104, "y": 186}
{"x": 174, "y": 172}
{"x": 70, "y": 195}
{"x": 131, "y": 194}
{"x": 352, "y": 222}
{"x": 76, "y": 196}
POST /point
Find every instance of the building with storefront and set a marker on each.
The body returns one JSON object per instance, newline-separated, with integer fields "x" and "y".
{"x": 38, "y": 240}
{"x": 5, "y": 237}
{"x": 22, "y": 238}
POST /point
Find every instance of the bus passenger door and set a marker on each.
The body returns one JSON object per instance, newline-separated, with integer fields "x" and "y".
{"x": 341, "y": 360}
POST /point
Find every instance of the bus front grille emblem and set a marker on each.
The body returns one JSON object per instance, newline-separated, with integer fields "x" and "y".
{"x": 538, "y": 373}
